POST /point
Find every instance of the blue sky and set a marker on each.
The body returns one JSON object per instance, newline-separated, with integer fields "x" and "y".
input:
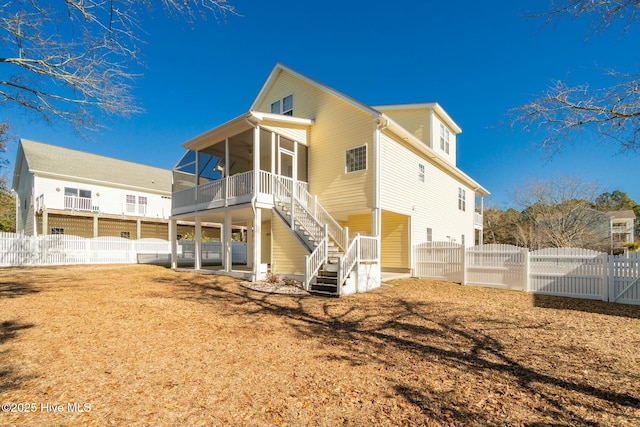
{"x": 477, "y": 59}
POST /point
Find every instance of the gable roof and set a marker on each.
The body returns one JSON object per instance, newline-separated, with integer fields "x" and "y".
{"x": 53, "y": 161}
{"x": 624, "y": 214}
{"x": 429, "y": 106}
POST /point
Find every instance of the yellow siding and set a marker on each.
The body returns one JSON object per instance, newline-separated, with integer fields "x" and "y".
{"x": 265, "y": 242}
{"x": 358, "y": 224}
{"x": 288, "y": 253}
{"x": 72, "y": 225}
{"x": 415, "y": 121}
{"x": 338, "y": 126}
{"x": 395, "y": 240}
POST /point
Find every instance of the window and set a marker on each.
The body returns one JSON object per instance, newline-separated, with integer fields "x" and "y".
{"x": 85, "y": 193}
{"x": 142, "y": 204}
{"x": 130, "y": 204}
{"x": 420, "y": 172}
{"x": 73, "y": 192}
{"x": 429, "y": 235}
{"x": 125, "y": 234}
{"x": 462, "y": 199}
{"x": 444, "y": 138}
{"x": 462, "y": 240}
{"x": 57, "y": 230}
{"x": 283, "y": 106}
{"x": 356, "y": 159}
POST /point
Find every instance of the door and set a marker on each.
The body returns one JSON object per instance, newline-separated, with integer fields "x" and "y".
{"x": 286, "y": 160}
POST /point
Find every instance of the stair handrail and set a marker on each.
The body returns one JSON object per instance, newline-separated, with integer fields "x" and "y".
{"x": 348, "y": 260}
{"x": 316, "y": 259}
{"x": 338, "y": 233}
{"x": 299, "y": 212}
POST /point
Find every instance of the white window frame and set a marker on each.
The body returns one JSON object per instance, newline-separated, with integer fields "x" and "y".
{"x": 429, "y": 234}
{"x": 421, "y": 172}
{"x": 445, "y": 138}
{"x": 462, "y": 199}
{"x": 346, "y": 159}
{"x": 57, "y": 230}
{"x": 278, "y": 107}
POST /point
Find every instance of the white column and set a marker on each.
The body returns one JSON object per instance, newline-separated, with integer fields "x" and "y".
{"x": 96, "y": 229}
{"x": 226, "y": 242}
{"x": 173, "y": 228}
{"x": 250, "y": 243}
{"x": 198, "y": 244}
{"x": 256, "y": 159}
{"x": 226, "y": 171}
{"x": 257, "y": 243}
{"x": 273, "y": 153}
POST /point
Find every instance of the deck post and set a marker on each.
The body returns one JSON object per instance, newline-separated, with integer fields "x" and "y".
{"x": 226, "y": 242}
{"x": 250, "y": 242}
{"x": 198, "y": 244}
{"x": 256, "y": 249}
{"x": 173, "y": 226}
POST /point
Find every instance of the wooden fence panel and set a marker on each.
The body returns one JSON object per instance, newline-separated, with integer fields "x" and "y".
{"x": 439, "y": 260}
{"x": 499, "y": 266}
{"x": 574, "y": 272}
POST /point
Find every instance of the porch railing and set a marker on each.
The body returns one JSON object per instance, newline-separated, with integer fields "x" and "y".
{"x": 78, "y": 203}
{"x": 368, "y": 249}
{"x": 477, "y": 219}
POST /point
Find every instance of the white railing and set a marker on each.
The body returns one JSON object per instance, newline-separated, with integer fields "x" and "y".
{"x": 368, "y": 251}
{"x": 478, "y": 219}
{"x": 78, "y": 203}
{"x": 338, "y": 233}
{"x": 239, "y": 184}
{"x": 348, "y": 260}
{"x": 265, "y": 183}
{"x": 211, "y": 191}
{"x": 315, "y": 260}
{"x": 39, "y": 202}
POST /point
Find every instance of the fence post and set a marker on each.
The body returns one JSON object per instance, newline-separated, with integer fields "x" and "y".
{"x": 527, "y": 269}
{"x": 463, "y": 264}
{"x": 611, "y": 294}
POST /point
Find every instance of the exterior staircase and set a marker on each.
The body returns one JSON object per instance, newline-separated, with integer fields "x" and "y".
{"x": 323, "y": 264}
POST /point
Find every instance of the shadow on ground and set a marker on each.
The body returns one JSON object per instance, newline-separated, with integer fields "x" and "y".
{"x": 588, "y": 306}
{"x": 392, "y": 332}
{"x": 10, "y": 378}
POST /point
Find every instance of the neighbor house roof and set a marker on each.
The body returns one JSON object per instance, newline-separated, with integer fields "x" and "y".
{"x": 53, "y": 161}
{"x": 625, "y": 214}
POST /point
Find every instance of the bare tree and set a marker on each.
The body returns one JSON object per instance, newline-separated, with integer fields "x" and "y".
{"x": 70, "y": 60}
{"x": 563, "y": 112}
{"x": 559, "y": 212}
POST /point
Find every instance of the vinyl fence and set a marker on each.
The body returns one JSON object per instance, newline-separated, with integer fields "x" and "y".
{"x": 569, "y": 272}
{"x": 20, "y": 250}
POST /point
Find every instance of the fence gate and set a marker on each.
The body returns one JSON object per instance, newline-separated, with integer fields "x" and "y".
{"x": 499, "y": 266}
{"x": 624, "y": 285}
{"x": 439, "y": 260}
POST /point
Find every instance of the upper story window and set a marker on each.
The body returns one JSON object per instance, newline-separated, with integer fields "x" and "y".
{"x": 462, "y": 199}
{"x": 142, "y": 204}
{"x": 420, "y": 172}
{"x": 356, "y": 159}
{"x": 429, "y": 234}
{"x": 74, "y": 192}
{"x": 444, "y": 138}
{"x": 283, "y": 106}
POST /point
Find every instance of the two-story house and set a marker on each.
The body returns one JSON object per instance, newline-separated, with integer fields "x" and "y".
{"x": 64, "y": 191}
{"x": 331, "y": 190}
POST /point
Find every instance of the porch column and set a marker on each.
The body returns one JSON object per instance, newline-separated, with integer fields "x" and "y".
{"x": 173, "y": 227}
{"x": 95, "y": 225}
{"x": 257, "y": 243}
{"x": 45, "y": 223}
{"x": 226, "y": 171}
{"x": 256, "y": 160}
{"x": 138, "y": 229}
{"x": 273, "y": 153}
{"x": 226, "y": 242}
{"x": 198, "y": 244}
{"x": 250, "y": 243}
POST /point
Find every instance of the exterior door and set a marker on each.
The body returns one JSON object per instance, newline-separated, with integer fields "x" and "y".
{"x": 286, "y": 160}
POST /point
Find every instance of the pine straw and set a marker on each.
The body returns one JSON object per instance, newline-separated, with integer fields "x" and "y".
{"x": 144, "y": 345}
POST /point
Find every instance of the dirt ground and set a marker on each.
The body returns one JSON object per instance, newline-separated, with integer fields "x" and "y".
{"x": 142, "y": 345}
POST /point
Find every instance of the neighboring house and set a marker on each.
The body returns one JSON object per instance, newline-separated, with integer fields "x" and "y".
{"x": 622, "y": 227}
{"x": 63, "y": 191}
{"x": 331, "y": 190}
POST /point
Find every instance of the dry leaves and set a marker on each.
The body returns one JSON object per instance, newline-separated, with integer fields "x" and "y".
{"x": 144, "y": 345}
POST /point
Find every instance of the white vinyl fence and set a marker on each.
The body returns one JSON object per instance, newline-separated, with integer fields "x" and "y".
{"x": 20, "y": 250}
{"x": 569, "y": 272}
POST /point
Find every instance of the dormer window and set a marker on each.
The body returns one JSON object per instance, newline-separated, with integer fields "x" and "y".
{"x": 283, "y": 106}
{"x": 444, "y": 138}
